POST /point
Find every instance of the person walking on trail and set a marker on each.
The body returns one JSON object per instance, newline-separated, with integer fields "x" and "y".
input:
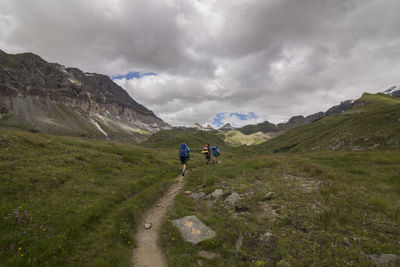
{"x": 184, "y": 156}
{"x": 207, "y": 152}
{"x": 215, "y": 154}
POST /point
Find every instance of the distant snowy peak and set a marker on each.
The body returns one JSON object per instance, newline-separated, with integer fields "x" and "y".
{"x": 198, "y": 126}
{"x": 392, "y": 91}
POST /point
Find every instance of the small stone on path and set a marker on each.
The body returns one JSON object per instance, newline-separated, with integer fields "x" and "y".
{"x": 147, "y": 226}
{"x": 188, "y": 192}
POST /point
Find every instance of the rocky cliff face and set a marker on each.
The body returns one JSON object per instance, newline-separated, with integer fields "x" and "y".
{"x": 52, "y": 98}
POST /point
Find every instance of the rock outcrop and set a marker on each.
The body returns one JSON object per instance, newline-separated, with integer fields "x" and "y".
{"x": 227, "y": 127}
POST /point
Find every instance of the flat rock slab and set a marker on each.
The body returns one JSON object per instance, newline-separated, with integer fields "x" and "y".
{"x": 193, "y": 230}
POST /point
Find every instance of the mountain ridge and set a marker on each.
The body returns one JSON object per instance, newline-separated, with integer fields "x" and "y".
{"x": 52, "y": 98}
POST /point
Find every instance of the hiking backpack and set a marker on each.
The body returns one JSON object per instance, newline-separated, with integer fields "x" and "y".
{"x": 185, "y": 152}
{"x": 205, "y": 149}
{"x": 215, "y": 151}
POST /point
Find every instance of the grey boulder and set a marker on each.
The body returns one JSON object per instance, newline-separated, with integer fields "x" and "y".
{"x": 193, "y": 230}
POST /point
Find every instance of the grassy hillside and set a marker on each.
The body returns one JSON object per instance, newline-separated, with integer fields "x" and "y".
{"x": 237, "y": 138}
{"x": 171, "y": 139}
{"x": 70, "y": 201}
{"x": 372, "y": 124}
{"x": 325, "y": 209}
{"x": 264, "y": 127}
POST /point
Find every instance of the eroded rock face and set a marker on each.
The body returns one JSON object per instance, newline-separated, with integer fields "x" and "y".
{"x": 36, "y": 91}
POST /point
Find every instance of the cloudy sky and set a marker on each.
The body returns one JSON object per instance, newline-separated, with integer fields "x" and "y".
{"x": 217, "y": 61}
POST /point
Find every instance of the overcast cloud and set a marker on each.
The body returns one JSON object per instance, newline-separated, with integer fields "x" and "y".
{"x": 273, "y": 58}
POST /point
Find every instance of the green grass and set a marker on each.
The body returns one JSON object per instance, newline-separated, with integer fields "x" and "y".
{"x": 320, "y": 200}
{"x": 372, "y": 127}
{"x": 237, "y": 138}
{"x": 70, "y": 201}
{"x": 74, "y": 201}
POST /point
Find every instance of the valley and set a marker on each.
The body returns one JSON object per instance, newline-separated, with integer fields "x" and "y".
{"x": 82, "y": 165}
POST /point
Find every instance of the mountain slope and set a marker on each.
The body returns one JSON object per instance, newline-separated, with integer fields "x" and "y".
{"x": 237, "y": 138}
{"x": 68, "y": 201}
{"x": 171, "y": 139}
{"x": 295, "y": 121}
{"x": 35, "y": 94}
{"x": 372, "y": 123}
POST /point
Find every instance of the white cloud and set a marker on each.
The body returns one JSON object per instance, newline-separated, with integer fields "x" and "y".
{"x": 276, "y": 58}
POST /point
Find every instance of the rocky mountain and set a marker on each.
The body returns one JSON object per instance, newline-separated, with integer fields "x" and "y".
{"x": 295, "y": 121}
{"x": 392, "y": 91}
{"x": 226, "y": 127}
{"x": 342, "y": 107}
{"x": 209, "y": 128}
{"x": 43, "y": 96}
{"x": 198, "y": 126}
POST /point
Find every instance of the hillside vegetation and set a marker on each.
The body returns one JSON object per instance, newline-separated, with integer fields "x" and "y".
{"x": 329, "y": 196}
{"x": 319, "y": 209}
{"x": 373, "y": 123}
{"x": 196, "y": 139}
{"x": 237, "y": 138}
{"x": 69, "y": 201}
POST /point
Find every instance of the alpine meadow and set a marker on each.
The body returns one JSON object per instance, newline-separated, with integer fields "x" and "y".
{"x": 200, "y": 133}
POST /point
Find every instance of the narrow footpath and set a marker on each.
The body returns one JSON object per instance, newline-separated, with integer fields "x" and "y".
{"x": 148, "y": 252}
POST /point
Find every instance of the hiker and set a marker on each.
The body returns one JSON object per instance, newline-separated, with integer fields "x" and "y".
{"x": 207, "y": 152}
{"x": 184, "y": 156}
{"x": 215, "y": 154}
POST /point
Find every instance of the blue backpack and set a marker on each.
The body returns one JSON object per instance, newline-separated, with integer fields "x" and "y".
{"x": 215, "y": 151}
{"x": 185, "y": 152}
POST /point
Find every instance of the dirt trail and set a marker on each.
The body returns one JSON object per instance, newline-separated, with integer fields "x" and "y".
{"x": 148, "y": 252}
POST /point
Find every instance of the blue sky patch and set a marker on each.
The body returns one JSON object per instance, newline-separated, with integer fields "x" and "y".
{"x": 223, "y": 117}
{"x": 132, "y": 75}
{"x": 217, "y": 121}
{"x": 244, "y": 117}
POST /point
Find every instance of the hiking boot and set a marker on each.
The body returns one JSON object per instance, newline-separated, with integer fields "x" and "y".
{"x": 183, "y": 173}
